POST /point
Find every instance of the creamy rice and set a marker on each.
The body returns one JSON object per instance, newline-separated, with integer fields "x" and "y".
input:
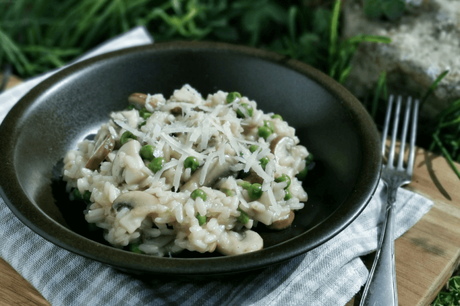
{"x": 235, "y": 147}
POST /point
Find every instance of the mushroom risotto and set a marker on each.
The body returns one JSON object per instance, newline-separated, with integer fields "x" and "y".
{"x": 189, "y": 173}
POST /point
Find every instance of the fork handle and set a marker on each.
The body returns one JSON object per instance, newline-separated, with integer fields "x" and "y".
{"x": 381, "y": 284}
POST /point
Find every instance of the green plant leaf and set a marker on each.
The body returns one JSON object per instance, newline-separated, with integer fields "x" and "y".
{"x": 446, "y": 154}
{"x": 393, "y": 9}
{"x": 321, "y": 21}
{"x": 433, "y": 87}
{"x": 454, "y": 283}
{"x": 227, "y": 33}
{"x": 373, "y": 8}
{"x": 334, "y": 32}
{"x": 381, "y": 85}
{"x": 292, "y": 21}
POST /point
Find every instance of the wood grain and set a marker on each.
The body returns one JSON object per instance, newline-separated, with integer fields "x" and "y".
{"x": 429, "y": 252}
{"x": 12, "y": 81}
{"x": 15, "y": 290}
{"x": 426, "y": 255}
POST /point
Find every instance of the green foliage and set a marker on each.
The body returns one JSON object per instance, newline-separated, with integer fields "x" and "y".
{"x": 446, "y": 137}
{"x": 391, "y": 9}
{"x": 40, "y": 35}
{"x": 433, "y": 86}
{"x": 452, "y": 297}
{"x": 381, "y": 88}
{"x": 341, "y": 54}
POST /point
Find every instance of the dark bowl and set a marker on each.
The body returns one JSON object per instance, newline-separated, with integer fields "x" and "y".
{"x": 61, "y": 111}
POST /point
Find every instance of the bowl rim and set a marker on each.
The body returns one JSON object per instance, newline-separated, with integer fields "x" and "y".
{"x": 368, "y": 178}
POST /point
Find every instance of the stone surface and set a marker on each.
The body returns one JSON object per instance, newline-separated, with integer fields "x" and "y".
{"x": 425, "y": 42}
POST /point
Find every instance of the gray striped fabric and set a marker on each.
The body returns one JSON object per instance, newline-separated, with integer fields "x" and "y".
{"x": 329, "y": 275}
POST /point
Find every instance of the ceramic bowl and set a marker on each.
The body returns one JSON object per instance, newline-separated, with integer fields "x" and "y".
{"x": 72, "y": 104}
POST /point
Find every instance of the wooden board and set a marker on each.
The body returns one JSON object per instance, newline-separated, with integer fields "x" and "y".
{"x": 429, "y": 252}
{"x": 426, "y": 255}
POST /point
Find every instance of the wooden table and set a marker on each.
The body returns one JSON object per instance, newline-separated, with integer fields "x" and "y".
{"x": 426, "y": 255}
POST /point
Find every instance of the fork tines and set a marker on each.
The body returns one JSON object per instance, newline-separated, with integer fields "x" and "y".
{"x": 410, "y": 162}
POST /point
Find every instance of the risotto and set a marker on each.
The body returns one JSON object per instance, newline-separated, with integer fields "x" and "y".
{"x": 189, "y": 173}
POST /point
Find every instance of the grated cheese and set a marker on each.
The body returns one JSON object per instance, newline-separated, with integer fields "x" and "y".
{"x": 181, "y": 148}
{"x": 231, "y": 138}
{"x": 206, "y": 167}
{"x": 166, "y": 166}
{"x": 178, "y": 174}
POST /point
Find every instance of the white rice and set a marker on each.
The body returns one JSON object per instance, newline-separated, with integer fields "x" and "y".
{"x": 210, "y": 130}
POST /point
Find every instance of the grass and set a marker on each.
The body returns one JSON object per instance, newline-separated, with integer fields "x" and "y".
{"x": 39, "y": 35}
{"x": 446, "y": 135}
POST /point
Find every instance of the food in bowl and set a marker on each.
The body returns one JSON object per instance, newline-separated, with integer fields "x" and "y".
{"x": 189, "y": 173}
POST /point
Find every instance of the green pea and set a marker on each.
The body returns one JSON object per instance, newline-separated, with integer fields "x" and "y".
{"x": 244, "y": 184}
{"x": 264, "y": 132}
{"x": 147, "y": 152}
{"x": 248, "y": 108}
{"x": 264, "y": 161}
{"x": 243, "y": 217}
{"x": 201, "y": 219}
{"x": 284, "y": 178}
{"x": 141, "y": 125}
{"x": 144, "y": 113}
{"x": 228, "y": 192}
{"x": 287, "y": 194}
{"x": 232, "y": 96}
{"x": 253, "y": 148}
{"x": 126, "y": 136}
{"x": 192, "y": 163}
{"x": 134, "y": 247}
{"x": 309, "y": 159}
{"x": 270, "y": 125}
{"x": 302, "y": 174}
{"x": 255, "y": 191}
{"x": 199, "y": 193}
{"x": 86, "y": 196}
{"x": 77, "y": 195}
{"x": 157, "y": 164}
{"x": 276, "y": 116}
{"x": 130, "y": 107}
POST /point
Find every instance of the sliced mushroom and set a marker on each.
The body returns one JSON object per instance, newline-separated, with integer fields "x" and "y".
{"x": 134, "y": 199}
{"x": 253, "y": 177}
{"x": 281, "y": 145}
{"x": 139, "y": 100}
{"x": 140, "y": 205}
{"x": 104, "y": 145}
{"x": 282, "y": 224}
{"x": 131, "y": 171}
{"x": 176, "y": 111}
{"x": 215, "y": 171}
{"x": 233, "y": 243}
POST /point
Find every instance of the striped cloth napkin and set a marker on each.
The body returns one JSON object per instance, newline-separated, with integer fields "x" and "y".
{"x": 328, "y": 275}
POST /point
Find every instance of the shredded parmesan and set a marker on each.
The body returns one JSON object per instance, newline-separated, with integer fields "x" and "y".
{"x": 178, "y": 173}
{"x": 228, "y": 133}
{"x": 206, "y": 167}
{"x": 181, "y": 148}
{"x": 167, "y": 166}
{"x": 125, "y": 126}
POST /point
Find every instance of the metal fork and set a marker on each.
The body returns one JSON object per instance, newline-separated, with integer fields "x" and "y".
{"x": 381, "y": 283}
